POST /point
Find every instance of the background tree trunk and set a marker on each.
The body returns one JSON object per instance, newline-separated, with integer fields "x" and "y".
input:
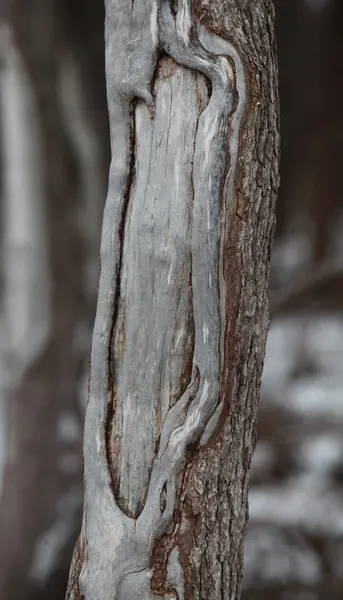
{"x": 41, "y": 201}
{"x": 182, "y": 315}
{"x": 51, "y": 271}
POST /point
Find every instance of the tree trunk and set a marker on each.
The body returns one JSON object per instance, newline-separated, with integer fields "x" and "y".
{"x": 41, "y": 310}
{"x": 56, "y": 165}
{"x": 182, "y": 315}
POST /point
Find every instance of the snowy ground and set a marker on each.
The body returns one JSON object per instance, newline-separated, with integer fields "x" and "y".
{"x": 294, "y": 543}
{"x": 295, "y": 535}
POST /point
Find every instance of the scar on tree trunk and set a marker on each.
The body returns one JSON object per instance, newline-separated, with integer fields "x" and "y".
{"x": 180, "y": 309}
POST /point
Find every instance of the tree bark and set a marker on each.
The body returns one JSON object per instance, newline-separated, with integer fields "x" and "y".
{"x": 182, "y": 314}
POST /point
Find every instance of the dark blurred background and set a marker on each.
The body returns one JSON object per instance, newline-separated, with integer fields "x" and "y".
{"x": 54, "y": 158}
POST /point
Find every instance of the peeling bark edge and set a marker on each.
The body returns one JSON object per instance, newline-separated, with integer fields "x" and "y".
{"x": 123, "y": 572}
{"x": 215, "y": 495}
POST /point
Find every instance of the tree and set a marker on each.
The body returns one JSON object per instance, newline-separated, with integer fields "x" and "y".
{"x": 47, "y": 114}
{"x": 182, "y": 313}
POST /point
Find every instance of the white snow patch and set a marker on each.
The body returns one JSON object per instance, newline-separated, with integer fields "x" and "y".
{"x": 302, "y": 502}
{"x": 276, "y": 559}
{"x": 320, "y": 338}
{"x": 321, "y": 453}
{"x": 320, "y": 397}
{"x": 51, "y": 543}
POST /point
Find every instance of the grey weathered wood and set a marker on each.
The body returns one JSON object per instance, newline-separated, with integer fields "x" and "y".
{"x": 181, "y": 322}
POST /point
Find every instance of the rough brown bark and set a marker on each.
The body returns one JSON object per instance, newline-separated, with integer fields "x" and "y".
{"x": 215, "y": 495}
{"x": 210, "y": 511}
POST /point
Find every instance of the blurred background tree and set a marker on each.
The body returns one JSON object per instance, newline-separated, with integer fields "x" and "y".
{"x": 294, "y": 543}
{"x": 55, "y": 157}
{"x": 54, "y": 165}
